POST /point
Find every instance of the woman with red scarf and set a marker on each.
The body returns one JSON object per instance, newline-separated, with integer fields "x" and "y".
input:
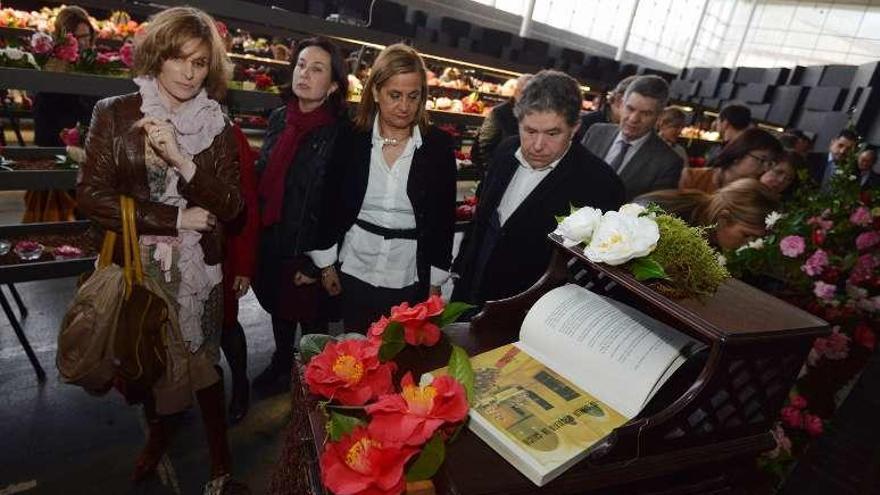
{"x": 298, "y": 144}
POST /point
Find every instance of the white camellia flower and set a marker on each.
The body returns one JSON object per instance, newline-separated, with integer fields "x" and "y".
{"x": 579, "y": 226}
{"x": 620, "y": 238}
{"x": 14, "y": 53}
{"x": 772, "y": 218}
{"x": 756, "y": 244}
{"x": 632, "y": 209}
{"x": 722, "y": 260}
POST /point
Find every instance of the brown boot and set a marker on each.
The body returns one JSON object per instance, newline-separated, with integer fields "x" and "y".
{"x": 213, "y": 410}
{"x": 159, "y": 433}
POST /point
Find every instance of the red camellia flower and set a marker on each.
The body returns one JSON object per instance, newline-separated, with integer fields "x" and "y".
{"x": 792, "y": 417}
{"x": 359, "y": 464}
{"x": 863, "y": 335}
{"x": 378, "y": 328}
{"x": 418, "y": 329}
{"x": 818, "y": 237}
{"x": 813, "y": 425}
{"x": 412, "y": 416}
{"x": 350, "y": 372}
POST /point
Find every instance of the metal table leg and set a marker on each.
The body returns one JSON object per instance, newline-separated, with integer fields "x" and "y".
{"x": 22, "y": 338}
{"x": 22, "y": 309}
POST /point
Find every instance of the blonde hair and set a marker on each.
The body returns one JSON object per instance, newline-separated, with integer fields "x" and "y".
{"x": 393, "y": 60}
{"x": 744, "y": 201}
{"x": 165, "y": 36}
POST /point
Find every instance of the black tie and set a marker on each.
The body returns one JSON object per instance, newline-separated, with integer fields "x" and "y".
{"x": 617, "y": 163}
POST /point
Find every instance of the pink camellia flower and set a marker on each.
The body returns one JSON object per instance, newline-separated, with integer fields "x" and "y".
{"x": 815, "y": 263}
{"x": 820, "y": 223}
{"x": 813, "y": 425}
{"x": 42, "y": 43}
{"x": 861, "y": 216}
{"x": 867, "y": 240}
{"x": 798, "y": 401}
{"x": 792, "y": 417}
{"x": 792, "y": 246}
{"x": 863, "y": 271}
{"x": 126, "y": 54}
{"x": 824, "y": 291}
{"x": 783, "y": 443}
{"x": 834, "y": 347}
{"x": 69, "y": 50}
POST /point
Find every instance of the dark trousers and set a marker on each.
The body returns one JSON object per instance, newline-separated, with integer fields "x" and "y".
{"x": 363, "y": 303}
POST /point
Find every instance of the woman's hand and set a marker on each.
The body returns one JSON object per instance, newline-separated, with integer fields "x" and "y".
{"x": 240, "y": 286}
{"x": 198, "y": 219}
{"x": 330, "y": 281}
{"x": 302, "y": 279}
{"x": 163, "y": 138}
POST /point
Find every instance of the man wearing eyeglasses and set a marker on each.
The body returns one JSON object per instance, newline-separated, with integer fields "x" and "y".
{"x": 642, "y": 159}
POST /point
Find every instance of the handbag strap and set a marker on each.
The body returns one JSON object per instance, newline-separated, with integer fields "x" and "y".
{"x": 105, "y": 258}
{"x": 126, "y": 244}
{"x": 136, "y": 262}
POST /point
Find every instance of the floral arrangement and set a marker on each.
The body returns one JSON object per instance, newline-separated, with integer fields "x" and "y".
{"x": 11, "y": 56}
{"x": 399, "y": 437}
{"x": 651, "y": 244}
{"x": 822, "y": 254}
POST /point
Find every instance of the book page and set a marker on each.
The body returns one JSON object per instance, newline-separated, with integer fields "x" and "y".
{"x": 611, "y": 350}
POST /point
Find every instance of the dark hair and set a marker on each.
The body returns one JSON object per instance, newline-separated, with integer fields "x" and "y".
{"x": 69, "y": 18}
{"x": 747, "y": 142}
{"x": 738, "y": 116}
{"x": 848, "y": 134}
{"x": 338, "y": 72}
{"x": 650, "y": 87}
{"x": 551, "y": 91}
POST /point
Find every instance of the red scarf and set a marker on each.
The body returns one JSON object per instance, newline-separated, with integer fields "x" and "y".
{"x": 297, "y": 125}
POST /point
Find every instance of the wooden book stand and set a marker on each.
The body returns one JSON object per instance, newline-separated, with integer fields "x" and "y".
{"x": 697, "y": 435}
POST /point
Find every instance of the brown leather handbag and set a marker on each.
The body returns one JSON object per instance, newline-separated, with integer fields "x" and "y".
{"x": 138, "y": 347}
{"x": 114, "y": 328}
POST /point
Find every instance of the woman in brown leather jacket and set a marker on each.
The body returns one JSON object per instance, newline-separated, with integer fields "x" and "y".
{"x": 170, "y": 147}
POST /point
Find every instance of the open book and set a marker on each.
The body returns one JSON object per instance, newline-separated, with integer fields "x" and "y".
{"x": 584, "y": 365}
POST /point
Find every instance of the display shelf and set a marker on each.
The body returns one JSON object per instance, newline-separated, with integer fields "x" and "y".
{"x": 35, "y": 180}
{"x": 96, "y": 85}
{"x": 25, "y": 271}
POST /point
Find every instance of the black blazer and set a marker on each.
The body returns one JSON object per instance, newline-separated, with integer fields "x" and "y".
{"x": 430, "y": 186}
{"x": 522, "y": 252}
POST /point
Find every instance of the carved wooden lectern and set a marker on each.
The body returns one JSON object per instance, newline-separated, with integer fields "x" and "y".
{"x": 705, "y": 426}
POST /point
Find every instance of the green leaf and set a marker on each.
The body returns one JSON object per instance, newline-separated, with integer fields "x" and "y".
{"x": 392, "y": 341}
{"x": 560, "y": 219}
{"x": 572, "y": 208}
{"x": 646, "y": 268}
{"x": 460, "y": 368}
{"x": 312, "y": 344}
{"x": 452, "y": 311}
{"x": 340, "y": 424}
{"x": 428, "y": 461}
{"x": 351, "y": 336}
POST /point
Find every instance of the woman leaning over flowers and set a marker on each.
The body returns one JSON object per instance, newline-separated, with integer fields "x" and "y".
{"x": 170, "y": 147}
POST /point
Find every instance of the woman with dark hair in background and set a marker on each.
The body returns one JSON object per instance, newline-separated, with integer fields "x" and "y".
{"x": 735, "y": 213}
{"x": 292, "y": 169}
{"x": 749, "y": 155}
{"x": 54, "y": 112}
{"x": 392, "y": 210}
{"x": 782, "y": 177}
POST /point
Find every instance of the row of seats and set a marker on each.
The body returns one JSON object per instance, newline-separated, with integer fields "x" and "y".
{"x": 392, "y": 17}
{"x": 819, "y": 99}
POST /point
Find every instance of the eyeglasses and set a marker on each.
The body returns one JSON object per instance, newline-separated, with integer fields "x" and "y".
{"x": 765, "y": 163}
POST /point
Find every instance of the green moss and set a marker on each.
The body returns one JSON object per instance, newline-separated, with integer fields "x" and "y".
{"x": 691, "y": 264}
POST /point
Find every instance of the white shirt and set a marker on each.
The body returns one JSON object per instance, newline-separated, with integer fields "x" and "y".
{"x": 633, "y": 149}
{"x": 524, "y": 181}
{"x": 389, "y": 263}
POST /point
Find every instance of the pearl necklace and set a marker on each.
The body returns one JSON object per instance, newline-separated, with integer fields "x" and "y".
{"x": 390, "y": 141}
